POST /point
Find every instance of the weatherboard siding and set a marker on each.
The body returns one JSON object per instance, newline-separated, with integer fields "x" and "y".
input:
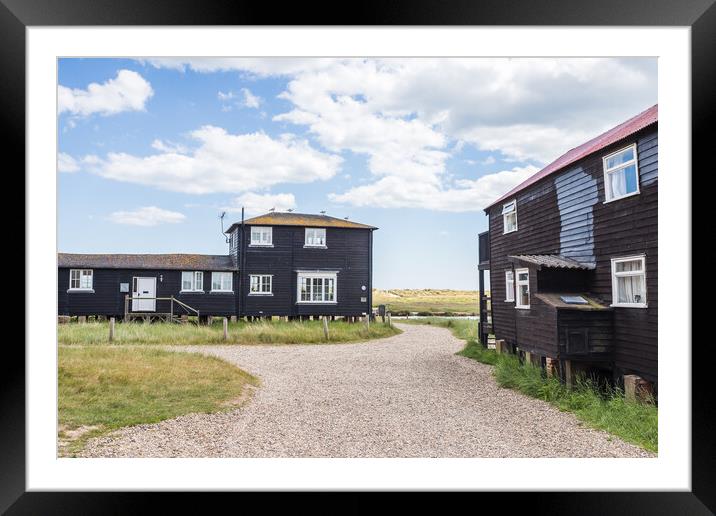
{"x": 347, "y": 252}
{"x": 565, "y": 214}
{"x": 109, "y": 301}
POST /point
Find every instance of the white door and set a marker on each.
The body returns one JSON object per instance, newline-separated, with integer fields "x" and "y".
{"x": 144, "y": 287}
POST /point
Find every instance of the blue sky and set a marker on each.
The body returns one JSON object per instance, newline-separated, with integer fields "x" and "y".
{"x": 151, "y": 151}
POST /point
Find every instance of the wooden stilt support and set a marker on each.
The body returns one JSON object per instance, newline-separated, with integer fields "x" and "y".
{"x": 226, "y": 328}
{"x": 568, "y": 374}
{"x": 111, "y": 329}
{"x": 233, "y": 318}
{"x": 325, "y": 328}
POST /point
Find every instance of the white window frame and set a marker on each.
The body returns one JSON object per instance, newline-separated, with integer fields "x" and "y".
{"x": 616, "y": 275}
{"x": 509, "y": 286}
{"x": 634, "y": 161}
{"x": 311, "y": 276}
{"x": 197, "y": 282}
{"x": 262, "y": 230}
{"x": 81, "y": 274}
{"x": 314, "y": 230}
{"x": 260, "y": 282}
{"x": 506, "y": 212}
{"x": 230, "y": 275}
{"x": 518, "y": 283}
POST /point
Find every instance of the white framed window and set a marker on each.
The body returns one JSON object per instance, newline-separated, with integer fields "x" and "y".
{"x": 509, "y": 286}
{"x": 621, "y": 174}
{"x": 261, "y": 235}
{"x": 522, "y": 299}
{"x": 629, "y": 282}
{"x": 315, "y": 237}
{"x": 221, "y": 282}
{"x": 317, "y": 288}
{"x": 260, "y": 285}
{"x": 192, "y": 281}
{"x": 509, "y": 217}
{"x": 81, "y": 279}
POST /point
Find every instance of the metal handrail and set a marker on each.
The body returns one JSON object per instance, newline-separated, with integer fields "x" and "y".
{"x": 172, "y": 299}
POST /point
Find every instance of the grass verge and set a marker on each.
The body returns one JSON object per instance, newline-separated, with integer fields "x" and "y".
{"x": 265, "y": 332}
{"x": 427, "y": 301}
{"x": 101, "y": 389}
{"x": 603, "y": 409}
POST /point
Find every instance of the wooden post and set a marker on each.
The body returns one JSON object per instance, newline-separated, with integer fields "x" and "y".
{"x": 226, "y": 328}
{"x": 568, "y": 374}
{"x": 171, "y": 309}
{"x": 325, "y": 327}
{"x": 528, "y": 358}
{"x": 111, "y": 329}
{"x": 550, "y": 367}
{"x": 126, "y": 307}
{"x": 82, "y": 319}
{"x": 233, "y": 318}
{"x": 209, "y": 320}
{"x": 388, "y": 316}
{"x": 499, "y": 346}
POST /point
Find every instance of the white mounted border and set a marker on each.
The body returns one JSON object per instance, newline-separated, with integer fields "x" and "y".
{"x": 671, "y": 470}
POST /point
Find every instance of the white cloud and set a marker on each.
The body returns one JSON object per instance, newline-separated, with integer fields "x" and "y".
{"x": 245, "y": 99}
{"x": 465, "y": 195}
{"x": 66, "y": 163}
{"x": 128, "y": 91}
{"x": 408, "y": 116}
{"x": 256, "y": 204}
{"x": 250, "y": 100}
{"x": 222, "y": 163}
{"x": 168, "y": 147}
{"x": 146, "y": 216}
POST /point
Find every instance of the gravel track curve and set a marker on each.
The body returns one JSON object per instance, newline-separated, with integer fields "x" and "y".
{"x": 403, "y": 396}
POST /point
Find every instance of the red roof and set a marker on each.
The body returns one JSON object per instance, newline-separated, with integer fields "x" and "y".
{"x": 631, "y": 126}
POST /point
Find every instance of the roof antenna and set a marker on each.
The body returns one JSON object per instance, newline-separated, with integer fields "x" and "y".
{"x": 221, "y": 217}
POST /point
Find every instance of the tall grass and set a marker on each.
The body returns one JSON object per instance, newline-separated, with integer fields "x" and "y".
{"x": 603, "y": 408}
{"x": 264, "y": 332}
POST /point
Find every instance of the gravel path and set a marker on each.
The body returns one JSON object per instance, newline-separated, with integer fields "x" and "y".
{"x": 404, "y": 396}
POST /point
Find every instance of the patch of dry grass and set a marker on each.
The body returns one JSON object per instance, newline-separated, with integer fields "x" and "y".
{"x": 102, "y": 388}
{"x": 428, "y": 301}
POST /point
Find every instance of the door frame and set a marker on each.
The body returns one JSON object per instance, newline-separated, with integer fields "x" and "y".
{"x": 135, "y": 284}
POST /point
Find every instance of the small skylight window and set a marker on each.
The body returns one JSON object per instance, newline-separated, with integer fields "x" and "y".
{"x": 574, "y": 300}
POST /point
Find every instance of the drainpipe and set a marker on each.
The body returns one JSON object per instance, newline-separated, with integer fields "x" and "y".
{"x": 242, "y": 262}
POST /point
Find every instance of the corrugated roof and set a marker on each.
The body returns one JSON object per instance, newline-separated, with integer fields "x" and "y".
{"x": 207, "y": 262}
{"x": 553, "y": 261}
{"x": 301, "y": 219}
{"x": 613, "y": 135}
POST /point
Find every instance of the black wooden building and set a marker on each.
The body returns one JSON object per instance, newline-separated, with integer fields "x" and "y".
{"x": 573, "y": 256}
{"x": 278, "y": 264}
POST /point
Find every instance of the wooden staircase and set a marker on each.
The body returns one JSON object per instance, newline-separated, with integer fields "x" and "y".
{"x": 177, "y": 315}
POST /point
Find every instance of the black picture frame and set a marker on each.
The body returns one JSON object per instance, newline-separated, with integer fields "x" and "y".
{"x": 16, "y": 15}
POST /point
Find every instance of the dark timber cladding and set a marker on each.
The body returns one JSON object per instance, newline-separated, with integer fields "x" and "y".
{"x": 336, "y": 254}
{"x": 563, "y": 219}
{"x": 346, "y": 254}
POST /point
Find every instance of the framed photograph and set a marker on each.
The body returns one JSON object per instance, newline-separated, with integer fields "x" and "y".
{"x": 417, "y": 253}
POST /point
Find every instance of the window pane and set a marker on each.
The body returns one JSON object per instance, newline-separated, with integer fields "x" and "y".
{"x": 199, "y": 280}
{"x": 630, "y": 289}
{"x": 254, "y": 283}
{"x": 317, "y": 289}
{"x": 305, "y": 289}
{"x": 630, "y": 178}
{"x": 509, "y": 207}
{"x": 511, "y": 221}
{"x": 621, "y": 158}
{"x": 523, "y": 276}
{"x": 621, "y": 182}
{"x": 86, "y": 279}
{"x": 524, "y": 295}
{"x": 632, "y": 265}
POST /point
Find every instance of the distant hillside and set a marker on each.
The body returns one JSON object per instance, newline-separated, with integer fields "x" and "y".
{"x": 427, "y": 301}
